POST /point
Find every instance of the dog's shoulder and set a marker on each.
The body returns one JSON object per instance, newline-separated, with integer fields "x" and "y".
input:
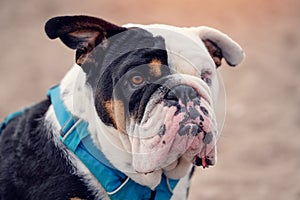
{"x": 31, "y": 163}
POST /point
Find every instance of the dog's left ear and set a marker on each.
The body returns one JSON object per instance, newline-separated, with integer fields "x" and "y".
{"x": 82, "y": 33}
{"x": 219, "y": 45}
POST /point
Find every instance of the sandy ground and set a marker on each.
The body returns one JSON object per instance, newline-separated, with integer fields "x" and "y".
{"x": 259, "y": 150}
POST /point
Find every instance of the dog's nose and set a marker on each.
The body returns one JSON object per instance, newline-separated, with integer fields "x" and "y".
{"x": 184, "y": 93}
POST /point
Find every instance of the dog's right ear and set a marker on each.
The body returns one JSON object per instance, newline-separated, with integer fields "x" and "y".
{"x": 82, "y": 33}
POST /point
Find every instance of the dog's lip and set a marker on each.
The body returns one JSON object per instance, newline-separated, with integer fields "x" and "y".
{"x": 204, "y": 159}
{"x": 148, "y": 172}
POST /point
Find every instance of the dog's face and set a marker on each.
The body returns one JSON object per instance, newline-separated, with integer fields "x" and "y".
{"x": 154, "y": 85}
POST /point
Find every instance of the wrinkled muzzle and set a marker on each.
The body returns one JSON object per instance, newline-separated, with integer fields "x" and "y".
{"x": 178, "y": 128}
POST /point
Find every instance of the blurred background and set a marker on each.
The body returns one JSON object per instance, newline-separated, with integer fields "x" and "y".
{"x": 259, "y": 149}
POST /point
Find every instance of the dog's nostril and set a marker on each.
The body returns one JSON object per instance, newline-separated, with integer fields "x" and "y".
{"x": 182, "y": 92}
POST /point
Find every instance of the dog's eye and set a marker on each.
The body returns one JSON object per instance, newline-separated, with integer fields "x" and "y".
{"x": 137, "y": 79}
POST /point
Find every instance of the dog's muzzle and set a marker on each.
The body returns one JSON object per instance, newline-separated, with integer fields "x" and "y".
{"x": 186, "y": 99}
{"x": 177, "y": 129}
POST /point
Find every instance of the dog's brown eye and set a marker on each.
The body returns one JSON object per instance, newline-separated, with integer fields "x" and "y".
{"x": 137, "y": 79}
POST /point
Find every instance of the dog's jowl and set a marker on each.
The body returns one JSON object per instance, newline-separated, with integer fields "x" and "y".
{"x": 130, "y": 120}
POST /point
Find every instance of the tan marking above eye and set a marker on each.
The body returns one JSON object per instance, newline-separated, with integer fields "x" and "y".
{"x": 155, "y": 67}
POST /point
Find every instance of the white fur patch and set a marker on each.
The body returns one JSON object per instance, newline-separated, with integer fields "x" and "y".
{"x": 80, "y": 102}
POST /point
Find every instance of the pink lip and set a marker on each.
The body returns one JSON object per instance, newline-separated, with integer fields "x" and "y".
{"x": 204, "y": 158}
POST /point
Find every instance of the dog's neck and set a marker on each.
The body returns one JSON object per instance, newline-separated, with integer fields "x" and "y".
{"x": 79, "y": 100}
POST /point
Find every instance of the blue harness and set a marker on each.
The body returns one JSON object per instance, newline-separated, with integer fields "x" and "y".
{"x": 9, "y": 118}
{"x": 74, "y": 133}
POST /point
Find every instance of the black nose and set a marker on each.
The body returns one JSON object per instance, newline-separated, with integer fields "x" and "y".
{"x": 184, "y": 93}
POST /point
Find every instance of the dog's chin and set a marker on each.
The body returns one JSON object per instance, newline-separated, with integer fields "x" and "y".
{"x": 172, "y": 137}
{"x": 175, "y": 170}
{"x": 178, "y": 169}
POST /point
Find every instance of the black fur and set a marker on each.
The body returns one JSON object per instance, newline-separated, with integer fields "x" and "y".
{"x": 32, "y": 167}
{"x": 127, "y": 53}
{"x": 64, "y": 26}
{"x": 81, "y": 32}
{"x": 106, "y": 52}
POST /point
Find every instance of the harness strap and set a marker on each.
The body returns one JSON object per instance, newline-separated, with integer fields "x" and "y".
{"x": 10, "y": 117}
{"x": 75, "y": 135}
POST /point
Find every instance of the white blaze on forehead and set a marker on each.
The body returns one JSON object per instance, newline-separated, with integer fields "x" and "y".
{"x": 183, "y": 42}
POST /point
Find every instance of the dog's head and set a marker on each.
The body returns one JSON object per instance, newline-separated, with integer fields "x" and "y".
{"x": 155, "y": 85}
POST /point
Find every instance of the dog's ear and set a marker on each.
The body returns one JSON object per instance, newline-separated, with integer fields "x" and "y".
{"x": 219, "y": 45}
{"x": 82, "y": 33}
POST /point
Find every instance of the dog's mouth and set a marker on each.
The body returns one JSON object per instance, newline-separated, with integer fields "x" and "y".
{"x": 178, "y": 131}
{"x": 198, "y": 123}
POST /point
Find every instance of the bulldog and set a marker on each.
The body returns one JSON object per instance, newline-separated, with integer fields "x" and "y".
{"x": 130, "y": 120}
